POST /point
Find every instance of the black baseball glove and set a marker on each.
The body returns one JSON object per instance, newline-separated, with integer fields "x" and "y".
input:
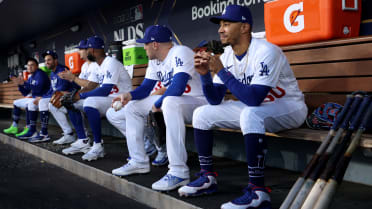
{"x": 156, "y": 122}
{"x": 68, "y": 99}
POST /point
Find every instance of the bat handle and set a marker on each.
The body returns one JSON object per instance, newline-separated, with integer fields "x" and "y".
{"x": 340, "y": 117}
{"x": 354, "y": 107}
{"x": 358, "y": 117}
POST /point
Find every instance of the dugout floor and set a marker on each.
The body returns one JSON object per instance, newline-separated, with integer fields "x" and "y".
{"x": 232, "y": 176}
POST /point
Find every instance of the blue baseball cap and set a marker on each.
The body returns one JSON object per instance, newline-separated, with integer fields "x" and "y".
{"x": 234, "y": 13}
{"x": 156, "y": 33}
{"x": 51, "y": 53}
{"x": 82, "y": 44}
{"x": 95, "y": 42}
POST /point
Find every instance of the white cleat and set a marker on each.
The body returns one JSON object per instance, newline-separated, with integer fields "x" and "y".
{"x": 95, "y": 152}
{"x": 80, "y": 146}
{"x": 131, "y": 168}
{"x": 65, "y": 139}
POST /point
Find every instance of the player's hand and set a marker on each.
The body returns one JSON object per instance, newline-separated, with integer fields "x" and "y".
{"x": 67, "y": 75}
{"x": 36, "y": 100}
{"x": 214, "y": 63}
{"x": 155, "y": 109}
{"x": 17, "y": 80}
{"x": 124, "y": 98}
{"x": 201, "y": 62}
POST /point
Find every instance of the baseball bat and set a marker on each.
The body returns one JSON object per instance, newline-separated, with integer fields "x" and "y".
{"x": 310, "y": 166}
{"x": 330, "y": 188}
{"x": 309, "y": 182}
{"x": 331, "y": 164}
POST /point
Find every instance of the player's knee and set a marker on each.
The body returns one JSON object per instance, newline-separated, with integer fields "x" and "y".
{"x": 251, "y": 121}
{"x": 89, "y": 102}
{"x": 200, "y": 118}
{"x": 170, "y": 104}
{"x": 130, "y": 108}
{"x": 31, "y": 106}
{"x": 110, "y": 115}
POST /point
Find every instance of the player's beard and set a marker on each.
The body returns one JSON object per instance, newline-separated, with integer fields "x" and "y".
{"x": 91, "y": 58}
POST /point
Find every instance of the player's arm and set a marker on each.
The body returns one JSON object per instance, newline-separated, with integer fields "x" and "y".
{"x": 24, "y": 88}
{"x": 43, "y": 83}
{"x": 251, "y": 95}
{"x": 102, "y": 91}
{"x": 212, "y": 91}
{"x": 176, "y": 88}
{"x": 144, "y": 89}
{"x": 85, "y": 84}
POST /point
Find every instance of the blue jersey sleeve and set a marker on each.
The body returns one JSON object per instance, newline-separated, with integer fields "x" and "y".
{"x": 213, "y": 92}
{"x": 43, "y": 84}
{"x": 176, "y": 88}
{"x": 251, "y": 95}
{"x": 102, "y": 91}
{"x": 25, "y": 88}
{"x": 143, "y": 90}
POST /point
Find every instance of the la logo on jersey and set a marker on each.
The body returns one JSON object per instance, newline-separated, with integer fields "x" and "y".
{"x": 179, "y": 62}
{"x": 265, "y": 70}
{"x": 293, "y": 20}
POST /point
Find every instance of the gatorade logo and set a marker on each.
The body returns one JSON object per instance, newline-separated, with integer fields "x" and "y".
{"x": 294, "y": 19}
{"x": 71, "y": 62}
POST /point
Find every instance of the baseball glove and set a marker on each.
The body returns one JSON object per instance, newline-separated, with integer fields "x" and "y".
{"x": 156, "y": 122}
{"x": 68, "y": 100}
{"x": 56, "y": 99}
{"x": 215, "y": 47}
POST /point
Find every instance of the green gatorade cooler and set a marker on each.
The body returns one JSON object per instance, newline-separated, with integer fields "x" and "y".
{"x": 134, "y": 54}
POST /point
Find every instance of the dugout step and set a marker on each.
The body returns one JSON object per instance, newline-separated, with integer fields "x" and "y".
{"x": 231, "y": 180}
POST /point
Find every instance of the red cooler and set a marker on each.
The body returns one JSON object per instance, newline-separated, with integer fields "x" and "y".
{"x": 300, "y": 21}
{"x": 73, "y": 61}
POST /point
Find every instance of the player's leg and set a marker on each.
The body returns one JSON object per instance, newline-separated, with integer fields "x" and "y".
{"x": 254, "y": 122}
{"x": 95, "y": 108}
{"x": 17, "y": 106}
{"x": 25, "y": 129}
{"x": 33, "y": 113}
{"x": 177, "y": 110}
{"x": 225, "y": 115}
{"x": 60, "y": 115}
{"x": 136, "y": 113}
{"x": 44, "y": 119}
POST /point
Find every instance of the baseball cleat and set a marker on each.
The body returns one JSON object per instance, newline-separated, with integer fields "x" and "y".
{"x": 11, "y": 130}
{"x": 130, "y": 168}
{"x": 28, "y": 135}
{"x": 205, "y": 184}
{"x": 95, "y": 152}
{"x": 81, "y": 145}
{"x": 25, "y": 130}
{"x": 39, "y": 138}
{"x": 169, "y": 182}
{"x": 253, "y": 197}
{"x": 65, "y": 139}
{"x": 161, "y": 159}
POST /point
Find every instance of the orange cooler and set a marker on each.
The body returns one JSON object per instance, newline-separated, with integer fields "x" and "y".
{"x": 73, "y": 61}
{"x": 300, "y": 21}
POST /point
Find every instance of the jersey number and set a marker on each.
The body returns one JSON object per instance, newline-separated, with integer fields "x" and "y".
{"x": 274, "y": 94}
{"x": 114, "y": 90}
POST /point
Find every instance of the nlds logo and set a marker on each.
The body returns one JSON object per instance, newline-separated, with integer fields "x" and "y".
{"x": 294, "y": 20}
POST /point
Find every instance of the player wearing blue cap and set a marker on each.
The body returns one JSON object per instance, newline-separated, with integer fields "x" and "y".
{"x": 113, "y": 80}
{"x": 258, "y": 74}
{"x": 173, "y": 66}
{"x": 88, "y": 80}
{"x": 38, "y": 85}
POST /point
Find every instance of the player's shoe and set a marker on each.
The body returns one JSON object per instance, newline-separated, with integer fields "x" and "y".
{"x": 161, "y": 159}
{"x": 65, "y": 139}
{"x": 205, "y": 184}
{"x": 254, "y": 197}
{"x": 149, "y": 147}
{"x": 95, "y": 152}
{"x": 25, "y": 130}
{"x": 131, "y": 168}
{"x": 39, "y": 138}
{"x": 169, "y": 182}
{"x": 28, "y": 135}
{"x": 81, "y": 145}
{"x": 11, "y": 130}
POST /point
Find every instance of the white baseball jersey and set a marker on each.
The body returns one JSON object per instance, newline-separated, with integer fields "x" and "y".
{"x": 113, "y": 72}
{"x": 264, "y": 64}
{"x": 89, "y": 71}
{"x": 179, "y": 59}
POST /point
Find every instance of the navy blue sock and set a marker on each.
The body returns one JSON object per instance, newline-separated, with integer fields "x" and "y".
{"x": 44, "y": 118}
{"x": 77, "y": 121}
{"x": 33, "y": 118}
{"x": 16, "y": 113}
{"x": 94, "y": 119}
{"x": 204, "y": 145}
{"x": 256, "y": 148}
{"x": 27, "y": 117}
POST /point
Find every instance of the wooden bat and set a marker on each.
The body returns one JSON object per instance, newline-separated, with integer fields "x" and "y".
{"x": 330, "y": 188}
{"x": 310, "y": 166}
{"x": 309, "y": 182}
{"x": 331, "y": 164}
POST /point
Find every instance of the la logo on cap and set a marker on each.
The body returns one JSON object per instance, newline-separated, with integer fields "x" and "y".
{"x": 152, "y": 38}
{"x": 243, "y": 18}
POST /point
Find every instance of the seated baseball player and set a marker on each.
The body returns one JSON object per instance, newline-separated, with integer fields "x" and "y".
{"x": 113, "y": 80}
{"x": 88, "y": 80}
{"x": 173, "y": 66}
{"x": 38, "y": 84}
{"x": 116, "y": 117}
{"x": 257, "y": 73}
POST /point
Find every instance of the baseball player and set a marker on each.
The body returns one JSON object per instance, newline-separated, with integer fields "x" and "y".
{"x": 173, "y": 66}
{"x": 88, "y": 80}
{"x": 258, "y": 74}
{"x": 113, "y": 80}
{"x": 38, "y": 84}
{"x": 117, "y": 118}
